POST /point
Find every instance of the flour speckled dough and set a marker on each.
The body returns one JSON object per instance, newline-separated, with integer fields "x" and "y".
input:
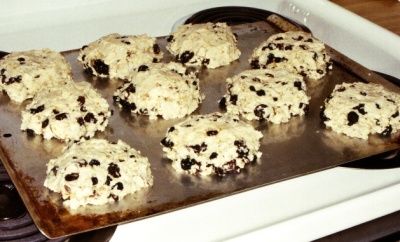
{"x": 295, "y": 51}
{"x": 117, "y": 55}
{"x": 213, "y": 143}
{"x": 164, "y": 90}
{"x": 23, "y": 74}
{"x": 210, "y": 44}
{"x": 360, "y": 109}
{"x": 275, "y": 95}
{"x": 67, "y": 112}
{"x": 97, "y": 172}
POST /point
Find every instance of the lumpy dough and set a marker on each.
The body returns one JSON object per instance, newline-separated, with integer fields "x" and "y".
{"x": 213, "y": 143}
{"x": 67, "y": 112}
{"x": 359, "y": 109}
{"x": 23, "y": 74}
{"x": 295, "y": 51}
{"x": 211, "y": 45}
{"x": 275, "y": 95}
{"x": 116, "y": 55}
{"x": 164, "y": 90}
{"x": 97, "y": 172}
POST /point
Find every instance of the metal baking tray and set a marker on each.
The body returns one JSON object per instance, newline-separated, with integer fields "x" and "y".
{"x": 299, "y": 147}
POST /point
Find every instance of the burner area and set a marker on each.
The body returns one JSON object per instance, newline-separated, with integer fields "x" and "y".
{"x": 15, "y": 221}
{"x": 234, "y": 16}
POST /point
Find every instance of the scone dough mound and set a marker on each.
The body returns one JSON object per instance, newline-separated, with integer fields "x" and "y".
{"x": 23, "y": 74}
{"x": 116, "y": 55}
{"x": 167, "y": 90}
{"x": 213, "y": 143}
{"x": 97, "y": 172}
{"x": 69, "y": 112}
{"x": 211, "y": 45}
{"x": 295, "y": 51}
{"x": 359, "y": 109}
{"x": 275, "y": 95}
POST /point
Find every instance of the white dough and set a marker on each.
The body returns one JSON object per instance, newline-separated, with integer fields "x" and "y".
{"x": 211, "y": 45}
{"x": 97, "y": 172}
{"x": 275, "y": 95}
{"x": 67, "y": 112}
{"x": 295, "y": 51}
{"x": 167, "y": 90}
{"x": 359, "y": 109}
{"x": 24, "y": 74}
{"x": 116, "y": 55}
{"x": 213, "y": 143}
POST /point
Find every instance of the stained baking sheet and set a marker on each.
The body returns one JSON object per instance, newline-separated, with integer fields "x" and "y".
{"x": 299, "y": 147}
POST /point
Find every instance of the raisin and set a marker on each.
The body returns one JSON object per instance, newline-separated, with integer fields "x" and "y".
{"x": 131, "y": 87}
{"x": 212, "y": 132}
{"x": 45, "y": 123}
{"x": 54, "y": 170}
{"x": 205, "y": 62}
{"x": 260, "y": 93}
{"x": 81, "y": 100}
{"x": 61, "y": 116}
{"x": 171, "y": 129}
{"x": 113, "y": 196}
{"x": 94, "y": 162}
{"x": 213, "y": 155}
{"x": 255, "y": 64}
{"x": 80, "y": 121}
{"x": 101, "y": 67}
{"x": 199, "y": 148}
{"x": 126, "y": 42}
{"x": 170, "y": 38}
{"x": 259, "y": 111}
{"x": 186, "y": 56}
{"x": 233, "y": 99}
{"x": 108, "y": 181}
{"x": 95, "y": 181}
{"x": 388, "y": 130}
{"x": 37, "y": 110}
{"x": 298, "y": 85}
{"x": 113, "y": 170}
{"x": 30, "y": 132}
{"x": 71, "y": 177}
{"x": 187, "y": 163}
{"x": 143, "y": 68}
{"x": 396, "y": 114}
{"x": 156, "y": 49}
{"x": 12, "y": 80}
{"x": 252, "y": 88}
{"x": 222, "y": 103}
{"x": 90, "y": 117}
{"x": 352, "y": 117}
{"x": 360, "y": 108}
{"x": 119, "y": 186}
{"x": 167, "y": 143}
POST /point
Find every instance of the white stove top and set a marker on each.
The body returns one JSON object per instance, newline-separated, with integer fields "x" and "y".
{"x": 299, "y": 209}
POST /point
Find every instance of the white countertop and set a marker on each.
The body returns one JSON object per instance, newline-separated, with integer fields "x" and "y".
{"x": 299, "y": 209}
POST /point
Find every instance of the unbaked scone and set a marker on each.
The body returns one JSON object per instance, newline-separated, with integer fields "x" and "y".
{"x": 213, "y": 143}
{"x": 210, "y": 44}
{"x": 295, "y": 51}
{"x": 67, "y": 112}
{"x": 23, "y": 74}
{"x": 359, "y": 109}
{"x": 97, "y": 172}
{"x": 116, "y": 55}
{"x": 164, "y": 90}
{"x": 275, "y": 95}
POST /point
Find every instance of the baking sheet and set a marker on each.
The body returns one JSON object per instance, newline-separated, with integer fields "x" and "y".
{"x": 297, "y": 148}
